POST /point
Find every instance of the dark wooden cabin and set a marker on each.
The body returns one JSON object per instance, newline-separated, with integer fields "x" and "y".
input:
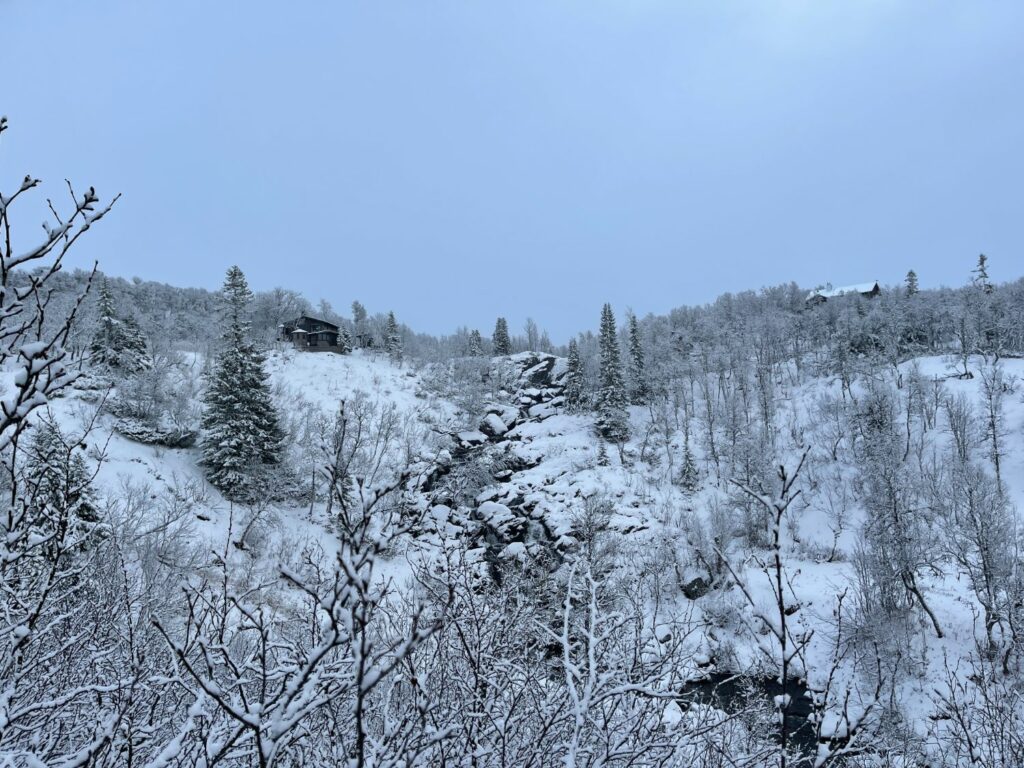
{"x": 311, "y": 334}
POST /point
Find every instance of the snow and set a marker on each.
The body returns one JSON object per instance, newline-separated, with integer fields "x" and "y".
{"x": 830, "y": 293}
{"x": 562, "y": 474}
{"x": 321, "y": 381}
{"x": 495, "y": 424}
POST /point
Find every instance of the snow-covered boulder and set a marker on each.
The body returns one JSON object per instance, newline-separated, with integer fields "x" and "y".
{"x": 471, "y": 438}
{"x": 494, "y": 514}
{"x": 493, "y": 426}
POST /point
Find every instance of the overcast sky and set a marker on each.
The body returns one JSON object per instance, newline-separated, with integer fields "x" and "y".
{"x": 458, "y": 160}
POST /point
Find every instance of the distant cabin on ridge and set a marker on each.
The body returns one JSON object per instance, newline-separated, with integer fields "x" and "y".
{"x": 311, "y": 334}
{"x": 821, "y": 295}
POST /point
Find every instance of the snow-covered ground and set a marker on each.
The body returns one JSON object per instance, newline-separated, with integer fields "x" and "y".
{"x": 563, "y": 470}
{"x": 320, "y": 381}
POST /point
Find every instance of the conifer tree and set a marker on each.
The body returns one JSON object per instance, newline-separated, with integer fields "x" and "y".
{"x": 476, "y": 344}
{"x": 118, "y": 344}
{"x": 60, "y": 501}
{"x": 108, "y": 331}
{"x": 911, "y": 281}
{"x": 982, "y": 308}
{"x": 500, "y": 339}
{"x": 344, "y": 340}
{"x": 612, "y": 421}
{"x": 135, "y": 355}
{"x": 393, "y": 338}
{"x": 980, "y": 273}
{"x": 574, "y": 393}
{"x": 361, "y": 326}
{"x": 689, "y": 475}
{"x": 637, "y": 370}
{"x": 60, "y": 483}
{"x": 241, "y": 435}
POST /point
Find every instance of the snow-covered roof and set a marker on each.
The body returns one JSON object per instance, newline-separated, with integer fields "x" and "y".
{"x": 316, "y": 320}
{"x": 828, "y": 292}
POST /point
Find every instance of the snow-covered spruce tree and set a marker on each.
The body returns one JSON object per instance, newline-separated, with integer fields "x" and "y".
{"x": 689, "y": 475}
{"x": 981, "y": 305}
{"x": 612, "y": 421}
{"x": 393, "y": 339}
{"x": 575, "y": 387}
{"x": 57, "y": 474}
{"x": 476, "y": 344}
{"x": 639, "y": 390}
{"x": 361, "y": 326}
{"x": 911, "y": 283}
{"x": 501, "y": 341}
{"x": 344, "y": 340}
{"x": 118, "y": 344}
{"x": 241, "y": 436}
{"x": 980, "y": 275}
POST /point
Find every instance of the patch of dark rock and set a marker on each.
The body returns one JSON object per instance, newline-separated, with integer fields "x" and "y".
{"x": 696, "y": 588}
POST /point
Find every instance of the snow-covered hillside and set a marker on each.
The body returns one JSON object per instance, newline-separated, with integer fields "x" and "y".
{"x": 301, "y": 382}
{"x": 745, "y": 543}
{"x": 555, "y": 472}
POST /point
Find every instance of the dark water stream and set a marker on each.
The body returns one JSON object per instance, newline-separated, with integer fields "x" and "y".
{"x": 732, "y": 693}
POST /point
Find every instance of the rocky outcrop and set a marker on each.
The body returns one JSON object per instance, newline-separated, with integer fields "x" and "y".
{"x": 169, "y": 437}
{"x": 540, "y": 381}
{"x": 534, "y": 392}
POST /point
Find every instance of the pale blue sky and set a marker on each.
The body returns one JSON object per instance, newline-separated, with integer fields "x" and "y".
{"x": 458, "y": 160}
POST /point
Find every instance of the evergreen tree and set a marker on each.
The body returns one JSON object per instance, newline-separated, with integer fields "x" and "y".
{"x": 500, "y": 339}
{"x": 60, "y": 483}
{"x": 476, "y": 344}
{"x": 361, "y": 326}
{"x": 911, "y": 281}
{"x": 637, "y": 370}
{"x": 107, "y": 338}
{"x": 689, "y": 475}
{"x": 241, "y": 435}
{"x": 344, "y": 340}
{"x": 612, "y": 421}
{"x": 118, "y": 344}
{"x": 980, "y": 273}
{"x": 574, "y": 393}
{"x": 60, "y": 499}
{"x": 393, "y": 338}
{"x": 980, "y": 310}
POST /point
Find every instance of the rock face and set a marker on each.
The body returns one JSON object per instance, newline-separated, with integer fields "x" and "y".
{"x": 535, "y": 381}
{"x": 508, "y": 518}
{"x": 540, "y": 379}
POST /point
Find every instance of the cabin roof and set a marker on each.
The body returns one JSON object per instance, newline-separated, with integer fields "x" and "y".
{"x": 312, "y": 319}
{"x": 829, "y": 292}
